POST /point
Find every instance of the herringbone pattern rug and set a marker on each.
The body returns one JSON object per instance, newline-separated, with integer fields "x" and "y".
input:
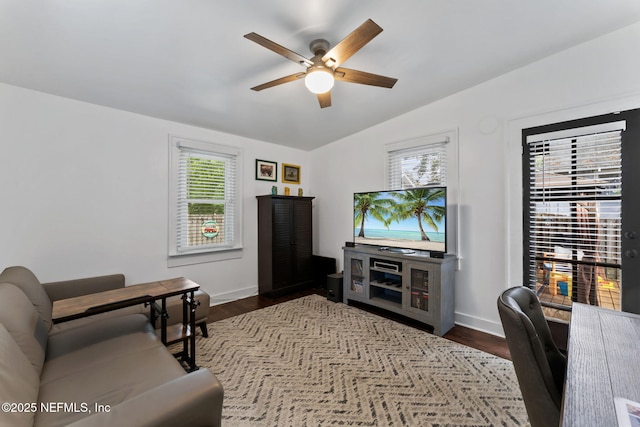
{"x": 312, "y": 362}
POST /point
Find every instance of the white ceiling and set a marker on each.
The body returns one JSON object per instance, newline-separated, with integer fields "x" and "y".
{"x": 187, "y": 60}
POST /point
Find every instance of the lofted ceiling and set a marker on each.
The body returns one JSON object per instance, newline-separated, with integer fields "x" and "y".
{"x": 187, "y": 60}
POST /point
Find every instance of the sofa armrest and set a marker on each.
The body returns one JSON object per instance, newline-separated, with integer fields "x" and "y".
{"x": 193, "y": 400}
{"x": 77, "y": 287}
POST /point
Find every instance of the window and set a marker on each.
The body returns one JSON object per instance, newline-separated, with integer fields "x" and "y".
{"x": 428, "y": 161}
{"x": 573, "y": 217}
{"x": 418, "y": 165}
{"x": 205, "y": 210}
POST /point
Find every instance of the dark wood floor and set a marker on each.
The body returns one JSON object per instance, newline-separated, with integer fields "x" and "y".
{"x": 469, "y": 337}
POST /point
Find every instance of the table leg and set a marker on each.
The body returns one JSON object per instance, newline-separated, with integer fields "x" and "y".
{"x": 163, "y": 321}
{"x": 154, "y": 311}
{"x": 185, "y": 324}
{"x": 192, "y": 324}
{"x": 189, "y": 304}
{"x": 152, "y": 314}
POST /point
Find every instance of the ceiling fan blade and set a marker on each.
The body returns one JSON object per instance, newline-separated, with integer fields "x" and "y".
{"x": 355, "y": 76}
{"x": 279, "y": 81}
{"x": 351, "y": 44}
{"x": 280, "y": 50}
{"x": 324, "y": 99}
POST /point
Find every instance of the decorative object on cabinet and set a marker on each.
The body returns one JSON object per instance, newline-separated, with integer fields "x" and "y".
{"x": 413, "y": 285}
{"x": 290, "y": 174}
{"x": 287, "y": 191}
{"x": 285, "y": 244}
{"x": 266, "y": 170}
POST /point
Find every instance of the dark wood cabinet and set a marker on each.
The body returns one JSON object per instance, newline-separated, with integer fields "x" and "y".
{"x": 285, "y": 244}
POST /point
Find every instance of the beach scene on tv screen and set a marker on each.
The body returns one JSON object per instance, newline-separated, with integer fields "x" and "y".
{"x": 412, "y": 218}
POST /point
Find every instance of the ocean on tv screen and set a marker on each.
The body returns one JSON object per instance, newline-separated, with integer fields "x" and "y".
{"x": 376, "y": 233}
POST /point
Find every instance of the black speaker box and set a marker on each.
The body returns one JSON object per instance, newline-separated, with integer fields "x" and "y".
{"x": 334, "y": 287}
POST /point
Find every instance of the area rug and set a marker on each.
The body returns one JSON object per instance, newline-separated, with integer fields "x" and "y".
{"x": 312, "y": 362}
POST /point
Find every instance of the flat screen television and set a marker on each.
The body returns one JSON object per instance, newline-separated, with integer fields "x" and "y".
{"x": 404, "y": 220}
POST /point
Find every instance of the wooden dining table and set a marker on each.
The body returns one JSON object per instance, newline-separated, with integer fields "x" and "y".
{"x": 603, "y": 364}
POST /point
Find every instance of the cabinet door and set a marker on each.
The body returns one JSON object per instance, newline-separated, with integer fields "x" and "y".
{"x": 282, "y": 242}
{"x": 421, "y": 286}
{"x": 356, "y": 280}
{"x": 302, "y": 241}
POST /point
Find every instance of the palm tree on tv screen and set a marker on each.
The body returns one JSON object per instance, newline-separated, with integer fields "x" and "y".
{"x": 420, "y": 203}
{"x": 371, "y": 204}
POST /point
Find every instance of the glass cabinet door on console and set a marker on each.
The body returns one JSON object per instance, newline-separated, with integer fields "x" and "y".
{"x": 419, "y": 282}
{"x": 419, "y": 289}
{"x": 356, "y": 277}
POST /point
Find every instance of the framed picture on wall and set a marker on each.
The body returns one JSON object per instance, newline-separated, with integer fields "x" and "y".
{"x": 266, "y": 170}
{"x": 290, "y": 174}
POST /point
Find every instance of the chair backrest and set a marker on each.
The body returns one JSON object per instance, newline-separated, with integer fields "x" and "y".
{"x": 539, "y": 365}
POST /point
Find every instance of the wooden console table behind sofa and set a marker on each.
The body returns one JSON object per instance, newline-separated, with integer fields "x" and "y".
{"x": 148, "y": 293}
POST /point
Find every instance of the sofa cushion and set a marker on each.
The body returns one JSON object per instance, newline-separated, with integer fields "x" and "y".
{"x": 96, "y": 342}
{"x": 24, "y": 279}
{"x": 88, "y": 285}
{"x": 22, "y": 321}
{"x": 100, "y": 317}
{"x": 18, "y": 381}
{"x": 111, "y": 381}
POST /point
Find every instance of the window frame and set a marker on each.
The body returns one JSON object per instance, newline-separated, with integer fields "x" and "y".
{"x": 436, "y": 145}
{"x": 448, "y": 140}
{"x": 182, "y": 256}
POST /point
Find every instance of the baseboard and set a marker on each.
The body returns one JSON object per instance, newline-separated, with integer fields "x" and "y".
{"x": 233, "y": 295}
{"x": 482, "y": 325}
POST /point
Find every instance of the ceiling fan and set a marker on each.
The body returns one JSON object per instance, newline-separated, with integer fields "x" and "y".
{"x": 324, "y": 67}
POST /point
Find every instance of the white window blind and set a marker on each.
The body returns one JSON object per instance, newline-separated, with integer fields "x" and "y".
{"x": 574, "y": 212}
{"x": 417, "y": 166}
{"x": 205, "y": 198}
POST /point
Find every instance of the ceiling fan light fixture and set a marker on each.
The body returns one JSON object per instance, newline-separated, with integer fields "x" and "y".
{"x": 325, "y": 65}
{"x": 319, "y": 80}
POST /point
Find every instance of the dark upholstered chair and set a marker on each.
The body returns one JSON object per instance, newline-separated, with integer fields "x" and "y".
{"x": 539, "y": 365}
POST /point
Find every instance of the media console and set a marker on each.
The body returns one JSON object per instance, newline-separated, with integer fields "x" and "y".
{"x": 414, "y": 285}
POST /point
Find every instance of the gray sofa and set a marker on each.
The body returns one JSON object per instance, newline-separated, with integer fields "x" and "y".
{"x": 91, "y": 373}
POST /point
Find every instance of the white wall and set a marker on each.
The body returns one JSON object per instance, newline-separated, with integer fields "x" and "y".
{"x": 84, "y": 188}
{"x": 84, "y": 191}
{"x": 594, "y": 78}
